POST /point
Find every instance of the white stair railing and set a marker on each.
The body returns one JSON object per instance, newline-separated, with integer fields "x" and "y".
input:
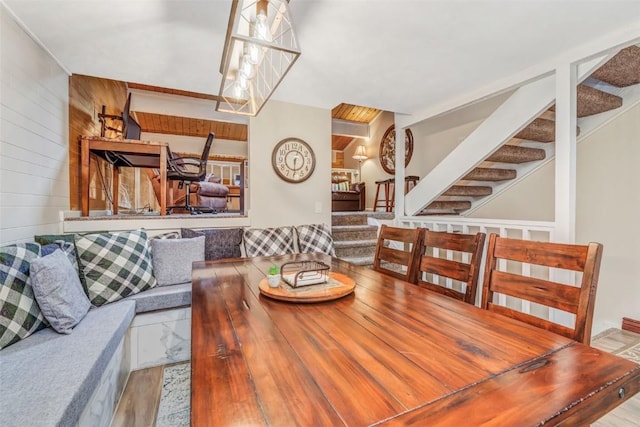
{"x": 520, "y": 109}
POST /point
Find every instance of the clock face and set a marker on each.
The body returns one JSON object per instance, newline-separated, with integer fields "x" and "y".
{"x": 293, "y": 160}
{"x": 387, "y": 153}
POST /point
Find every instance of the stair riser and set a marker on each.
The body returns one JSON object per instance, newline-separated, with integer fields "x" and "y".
{"x": 358, "y": 251}
{"x": 342, "y": 235}
{"x": 367, "y": 263}
{"x": 349, "y": 220}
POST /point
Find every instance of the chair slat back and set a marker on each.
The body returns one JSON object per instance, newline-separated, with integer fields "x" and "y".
{"x": 465, "y": 272}
{"x": 400, "y": 262}
{"x": 577, "y": 300}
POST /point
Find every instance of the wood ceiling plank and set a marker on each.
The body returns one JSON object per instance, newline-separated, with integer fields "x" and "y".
{"x": 169, "y": 91}
{"x": 164, "y": 122}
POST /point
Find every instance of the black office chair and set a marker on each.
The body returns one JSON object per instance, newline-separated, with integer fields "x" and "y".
{"x": 188, "y": 170}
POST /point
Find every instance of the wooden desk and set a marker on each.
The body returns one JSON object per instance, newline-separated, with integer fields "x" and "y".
{"x": 390, "y": 353}
{"x": 122, "y": 152}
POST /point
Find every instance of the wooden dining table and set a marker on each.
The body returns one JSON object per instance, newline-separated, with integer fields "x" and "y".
{"x": 390, "y": 353}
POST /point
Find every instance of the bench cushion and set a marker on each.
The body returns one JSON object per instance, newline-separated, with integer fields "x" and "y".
{"x": 162, "y": 298}
{"x": 48, "y": 379}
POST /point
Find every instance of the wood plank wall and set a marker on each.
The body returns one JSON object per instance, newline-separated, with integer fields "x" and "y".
{"x": 87, "y": 95}
{"x": 337, "y": 161}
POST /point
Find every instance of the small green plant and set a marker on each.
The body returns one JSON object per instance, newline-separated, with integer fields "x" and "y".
{"x": 273, "y": 270}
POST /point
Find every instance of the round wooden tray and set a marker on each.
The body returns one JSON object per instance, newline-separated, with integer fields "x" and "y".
{"x": 336, "y": 287}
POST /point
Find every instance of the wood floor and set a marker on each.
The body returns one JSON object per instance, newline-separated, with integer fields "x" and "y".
{"x": 139, "y": 404}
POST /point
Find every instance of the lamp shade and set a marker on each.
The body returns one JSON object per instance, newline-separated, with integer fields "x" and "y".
{"x": 360, "y": 153}
{"x": 260, "y": 48}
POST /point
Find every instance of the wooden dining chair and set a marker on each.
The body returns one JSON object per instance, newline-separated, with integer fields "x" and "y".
{"x": 457, "y": 275}
{"x": 397, "y": 251}
{"x": 578, "y": 300}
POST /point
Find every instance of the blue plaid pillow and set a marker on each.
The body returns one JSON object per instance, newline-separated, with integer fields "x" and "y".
{"x": 20, "y": 315}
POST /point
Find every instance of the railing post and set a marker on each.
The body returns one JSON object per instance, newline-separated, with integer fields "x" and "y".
{"x": 400, "y": 173}
{"x": 565, "y": 168}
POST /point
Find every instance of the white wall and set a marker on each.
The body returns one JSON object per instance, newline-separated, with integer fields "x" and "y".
{"x": 34, "y": 168}
{"x": 371, "y": 168}
{"x": 429, "y": 148}
{"x": 608, "y": 202}
{"x": 275, "y": 202}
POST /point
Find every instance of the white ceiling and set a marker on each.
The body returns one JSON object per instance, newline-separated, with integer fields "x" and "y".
{"x": 395, "y": 55}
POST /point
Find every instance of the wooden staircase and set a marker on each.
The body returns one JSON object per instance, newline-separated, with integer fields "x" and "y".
{"x": 533, "y": 144}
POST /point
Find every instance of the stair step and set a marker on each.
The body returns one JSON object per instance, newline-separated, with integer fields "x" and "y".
{"x": 355, "y": 243}
{"x": 449, "y": 205}
{"x": 490, "y": 174}
{"x": 354, "y": 232}
{"x": 622, "y": 69}
{"x": 340, "y": 218}
{"x": 358, "y": 218}
{"x": 356, "y": 251}
{"x": 594, "y": 101}
{"x": 468, "y": 190}
{"x": 362, "y": 261}
{"x": 516, "y": 154}
{"x": 541, "y": 130}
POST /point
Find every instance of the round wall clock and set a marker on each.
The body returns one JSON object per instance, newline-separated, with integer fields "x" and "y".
{"x": 293, "y": 160}
{"x": 387, "y": 153}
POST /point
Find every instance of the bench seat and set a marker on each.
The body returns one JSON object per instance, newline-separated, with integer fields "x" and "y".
{"x": 49, "y": 378}
{"x": 162, "y": 298}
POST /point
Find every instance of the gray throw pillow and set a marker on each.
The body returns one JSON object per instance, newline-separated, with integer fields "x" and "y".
{"x": 172, "y": 259}
{"x": 58, "y": 291}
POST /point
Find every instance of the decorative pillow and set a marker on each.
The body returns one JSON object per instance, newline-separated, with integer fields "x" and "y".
{"x": 172, "y": 259}
{"x": 69, "y": 249}
{"x": 268, "y": 241}
{"x": 58, "y": 291}
{"x": 47, "y": 239}
{"x": 169, "y": 235}
{"x": 219, "y": 243}
{"x": 315, "y": 238}
{"x": 20, "y": 315}
{"x": 115, "y": 265}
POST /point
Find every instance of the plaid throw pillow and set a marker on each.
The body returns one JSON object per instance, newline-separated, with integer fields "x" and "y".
{"x": 115, "y": 265}
{"x": 268, "y": 241}
{"x": 314, "y": 238}
{"x": 20, "y": 315}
